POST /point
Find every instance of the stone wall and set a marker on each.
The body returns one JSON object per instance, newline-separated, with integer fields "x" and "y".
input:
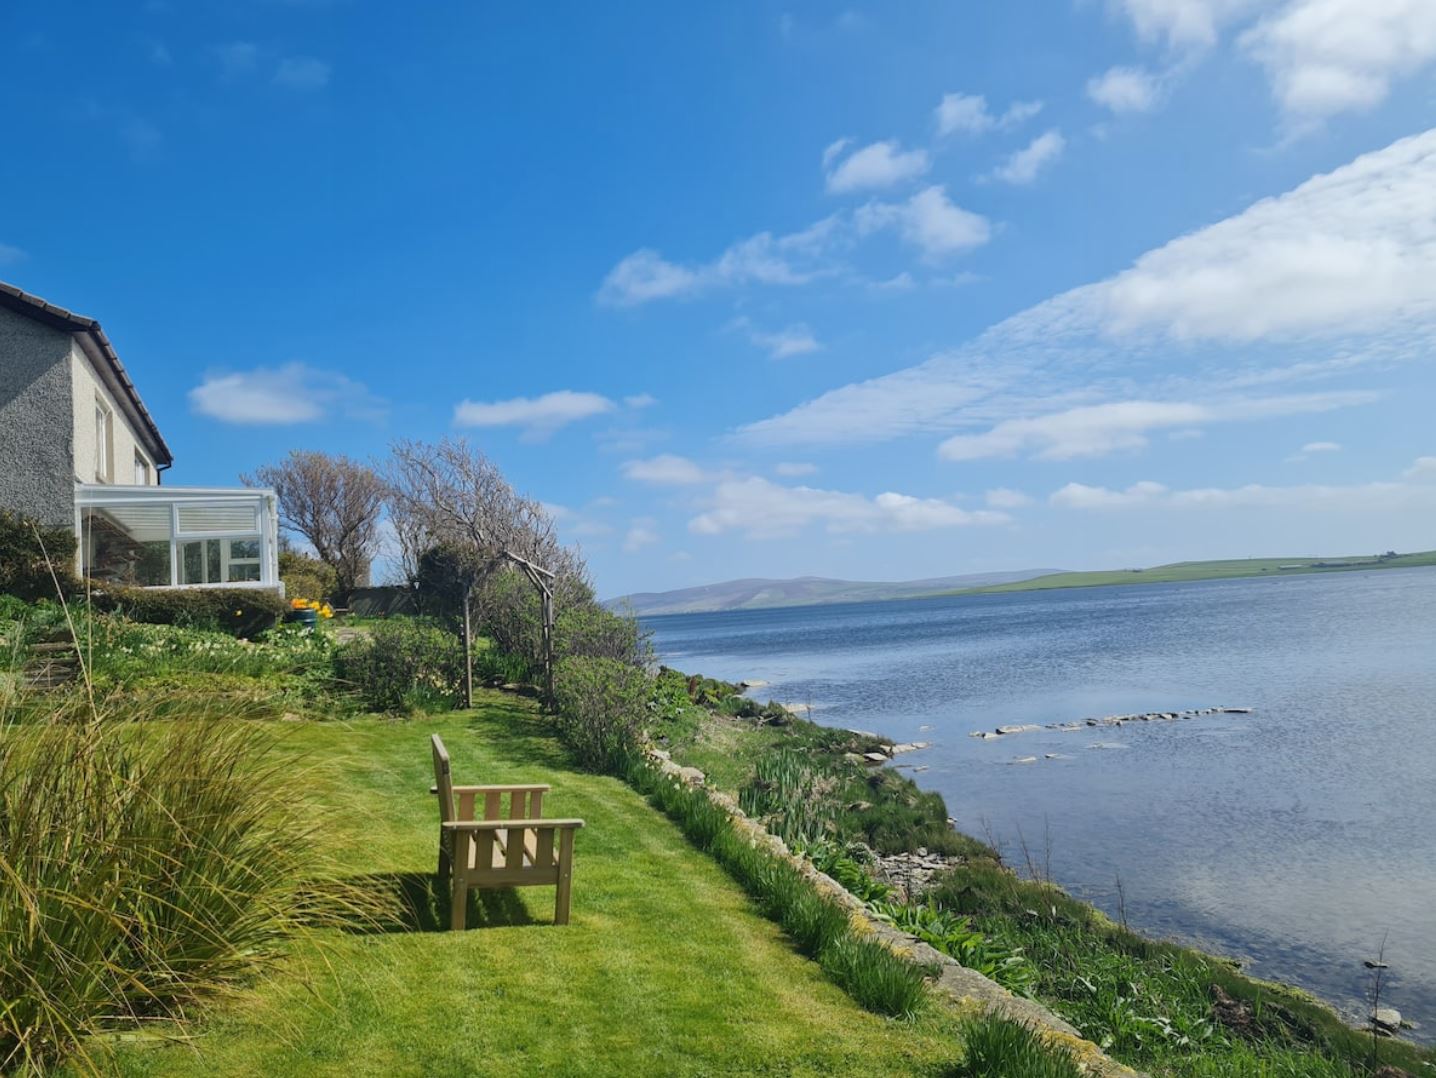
{"x": 37, "y": 424}
{"x": 965, "y": 987}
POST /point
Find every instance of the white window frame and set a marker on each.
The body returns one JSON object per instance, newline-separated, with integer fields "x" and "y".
{"x": 143, "y": 470}
{"x": 266, "y": 518}
{"x": 104, "y": 438}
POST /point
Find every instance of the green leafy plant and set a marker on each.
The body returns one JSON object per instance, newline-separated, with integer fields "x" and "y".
{"x": 28, "y": 550}
{"x": 955, "y": 937}
{"x": 601, "y": 708}
{"x": 998, "y": 1047}
{"x": 404, "y": 664}
{"x": 830, "y": 858}
{"x": 240, "y": 612}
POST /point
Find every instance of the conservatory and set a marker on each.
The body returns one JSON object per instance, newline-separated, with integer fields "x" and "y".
{"x": 178, "y": 537}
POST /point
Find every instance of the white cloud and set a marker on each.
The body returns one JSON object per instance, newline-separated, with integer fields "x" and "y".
{"x": 791, "y": 259}
{"x": 1321, "y": 447}
{"x": 1081, "y": 496}
{"x": 666, "y": 469}
{"x": 969, "y": 114}
{"x": 928, "y": 220}
{"x": 833, "y": 150}
{"x": 1332, "y": 277}
{"x": 538, "y": 416}
{"x": 900, "y": 282}
{"x": 1101, "y": 429}
{"x": 761, "y": 509}
{"x": 791, "y": 340}
{"x": 10, "y": 254}
{"x": 1024, "y": 166}
{"x": 1004, "y": 498}
{"x": 881, "y": 164}
{"x": 794, "y": 469}
{"x": 1124, "y": 90}
{"x": 1329, "y": 56}
{"x": 275, "y": 396}
{"x": 640, "y": 400}
{"x": 640, "y": 534}
{"x": 302, "y": 73}
{"x": 1183, "y": 23}
{"x": 1422, "y": 468}
{"x": 1311, "y": 497}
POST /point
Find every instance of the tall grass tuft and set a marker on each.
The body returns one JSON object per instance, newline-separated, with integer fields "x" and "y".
{"x": 998, "y": 1047}
{"x": 142, "y": 865}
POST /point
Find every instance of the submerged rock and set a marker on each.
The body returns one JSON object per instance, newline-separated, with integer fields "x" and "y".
{"x": 1388, "y": 1018}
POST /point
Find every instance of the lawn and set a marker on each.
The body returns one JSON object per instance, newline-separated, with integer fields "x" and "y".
{"x": 665, "y": 969}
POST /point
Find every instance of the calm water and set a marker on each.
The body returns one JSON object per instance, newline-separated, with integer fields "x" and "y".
{"x": 1295, "y": 838}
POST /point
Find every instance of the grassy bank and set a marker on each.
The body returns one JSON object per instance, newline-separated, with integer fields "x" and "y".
{"x": 1180, "y": 572}
{"x": 1166, "y": 1009}
{"x": 667, "y": 967}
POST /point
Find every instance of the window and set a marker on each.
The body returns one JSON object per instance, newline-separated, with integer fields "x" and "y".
{"x": 103, "y": 474}
{"x": 142, "y": 471}
{"x": 219, "y": 561}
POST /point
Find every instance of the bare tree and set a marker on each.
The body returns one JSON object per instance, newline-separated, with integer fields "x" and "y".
{"x": 451, "y": 495}
{"x": 335, "y": 503}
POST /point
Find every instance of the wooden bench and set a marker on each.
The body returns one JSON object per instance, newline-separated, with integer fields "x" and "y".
{"x": 517, "y": 849}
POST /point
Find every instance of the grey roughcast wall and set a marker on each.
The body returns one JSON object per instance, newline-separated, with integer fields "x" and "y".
{"x": 37, "y": 421}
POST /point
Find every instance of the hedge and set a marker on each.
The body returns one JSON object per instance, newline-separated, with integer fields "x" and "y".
{"x": 241, "y": 612}
{"x": 24, "y": 570}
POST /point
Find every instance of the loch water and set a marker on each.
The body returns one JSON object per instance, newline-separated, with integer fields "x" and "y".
{"x": 1296, "y": 838}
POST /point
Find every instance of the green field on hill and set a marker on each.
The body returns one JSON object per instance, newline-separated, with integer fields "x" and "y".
{"x": 1212, "y": 570}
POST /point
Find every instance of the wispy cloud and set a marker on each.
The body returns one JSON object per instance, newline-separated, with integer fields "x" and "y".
{"x": 968, "y": 114}
{"x": 1125, "y": 90}
{"x": 10, "y": 254}
{"x": 794, "y": 340}
{"x": 276, "y": 396}
{"x": 1024, "y": 166}
{"x": 791, "y": 259}
{"x": 794, "y": 469}
{"x": 641, "y": 533}
{"x": 302, "y": 73}
{"x": 1312, "y": 448}
{"x": 1327, "y": 279}
{"x": 666, "y": 469}
{"x": 236, "y": 58}
{"x": 1100, "y": 429}
{"x": 876, "y": 166}
{"x": 1005, "y": 498}
{"x": 929, "y": 220}
{"x": 758, "y": 508}
{"x": 537, "y": 416}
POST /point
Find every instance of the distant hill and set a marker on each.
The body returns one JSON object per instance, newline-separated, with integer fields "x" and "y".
{"x": 755, "y": 594}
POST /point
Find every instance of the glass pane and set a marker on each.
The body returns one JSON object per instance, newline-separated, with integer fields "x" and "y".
{"x": 243, "y": 571}
{"x": 128, "y": 545}
{"x": 218, "y": 518}
{"x": 192, "y": 562}
{"x": 213, "y": 576}
{"x": 244, "y": 548}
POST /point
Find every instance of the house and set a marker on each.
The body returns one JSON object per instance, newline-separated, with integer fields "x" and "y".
{"x": 78, "y": 448}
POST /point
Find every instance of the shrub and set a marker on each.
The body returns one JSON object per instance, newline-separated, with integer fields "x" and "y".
{"x": 304, "y": 577}
{"x": 998, "y": 1047}
{"x": 404, "y": 664}
{"x": 177, "y": 872}
{"x": 787, "y": 793}
{"x": 27, "y": 557}
{"x": 601, "y": 707}
{"x": 241, "y": 612}
{"x": 591, "y": 631}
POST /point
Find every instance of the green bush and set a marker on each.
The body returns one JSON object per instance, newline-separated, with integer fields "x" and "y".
{"x": 997, "y": 1047}
{"x": 28, "y": 550}
{"x": 178, "y": 872}
{"x": 241, "y": 612}
{"x": 874, "y": 976}
{"x": 405, "y": 664}
{"x": 304, "y": 577}
{"x": 601, "y": 708}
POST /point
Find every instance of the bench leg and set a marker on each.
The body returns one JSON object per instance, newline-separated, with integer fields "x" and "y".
{"x": 565, "y": 879}
{"x": 459, "y": 881}
{"x": 444, "y": 859}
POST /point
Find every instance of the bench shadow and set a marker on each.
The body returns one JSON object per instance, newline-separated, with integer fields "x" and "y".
{"x": 417, "y": 902}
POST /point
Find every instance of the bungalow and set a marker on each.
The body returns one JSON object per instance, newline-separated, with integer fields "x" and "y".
{"x": 78, "y": 448}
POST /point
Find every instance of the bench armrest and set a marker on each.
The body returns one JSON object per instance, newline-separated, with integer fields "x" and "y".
{"x": 506, "y": 825}
{"x": 521, "y": 788}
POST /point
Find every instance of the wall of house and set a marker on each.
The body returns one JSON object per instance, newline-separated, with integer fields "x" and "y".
{"x": 124, "y": 443}
{"x": 37, "y": 431}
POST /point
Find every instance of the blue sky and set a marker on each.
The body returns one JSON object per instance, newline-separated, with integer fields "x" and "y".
{"x": 880, "y": 292}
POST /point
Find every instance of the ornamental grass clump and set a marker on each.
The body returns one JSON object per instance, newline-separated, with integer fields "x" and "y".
{"x": 995, "y": 1046}
{"x": 144, "y": 865}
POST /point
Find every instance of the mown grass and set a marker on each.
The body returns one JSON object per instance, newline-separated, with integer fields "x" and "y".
{"x": 666, "y": 968}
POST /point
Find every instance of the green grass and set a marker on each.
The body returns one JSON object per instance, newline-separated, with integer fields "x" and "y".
{"x": 1209, "y": 570}
{"x": 666, "y": 968}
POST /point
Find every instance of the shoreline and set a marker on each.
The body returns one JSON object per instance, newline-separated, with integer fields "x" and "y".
{"x": 736, "y": 738}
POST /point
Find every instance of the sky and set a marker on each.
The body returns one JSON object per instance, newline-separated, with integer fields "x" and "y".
{"x": 879, "y": 292}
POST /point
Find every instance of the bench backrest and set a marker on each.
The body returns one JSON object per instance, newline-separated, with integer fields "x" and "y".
{"x": 443, "y": 779}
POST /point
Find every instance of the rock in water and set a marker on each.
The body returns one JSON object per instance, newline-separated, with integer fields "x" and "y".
{"x": 1386, "y": 1018}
